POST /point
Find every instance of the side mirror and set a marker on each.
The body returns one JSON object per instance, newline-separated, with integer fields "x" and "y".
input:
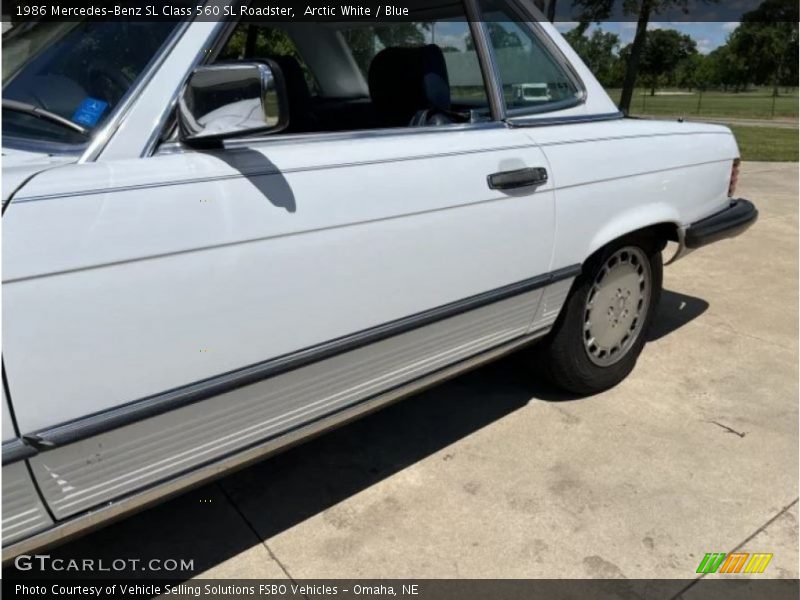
{"x": 232, "y": 99}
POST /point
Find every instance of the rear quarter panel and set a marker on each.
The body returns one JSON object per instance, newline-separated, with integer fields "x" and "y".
{"x": 614, "y": 177}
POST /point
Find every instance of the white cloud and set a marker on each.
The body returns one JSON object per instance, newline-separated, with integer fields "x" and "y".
{"x": 454, "y": 41}
{"x": 730, "y": 25}
{"x": 564, "y": 26}
{"x": 663, "y": 24}
{"x": 707, "y": 35}
{"x": 704, "y": 46}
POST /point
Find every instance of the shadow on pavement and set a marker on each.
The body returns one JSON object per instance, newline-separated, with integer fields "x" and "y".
{"x": 674, "y": 311}
{"x": 223, "y": 519}
{"x": 279, "y": 492}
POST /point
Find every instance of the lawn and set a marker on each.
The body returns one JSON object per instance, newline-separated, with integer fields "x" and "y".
{"x": 755, "y": 142}
{"x": 753, "y": 104}
{"x": 766, "y": 143}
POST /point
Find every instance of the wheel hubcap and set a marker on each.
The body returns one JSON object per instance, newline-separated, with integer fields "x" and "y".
{"x": 616, "y": 306}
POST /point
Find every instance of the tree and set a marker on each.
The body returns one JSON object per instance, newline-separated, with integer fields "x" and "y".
{"x": 402, "y": 34}
{"x": 766, "y": 40}
{"x": 664, "y": 50}
{"x": 366, "y": 42}
{"x": 598, "y": 10}
{"x": 598, "y": 51}
{"x": 703, "y": 75}
{"x": 686, "y": 73}
{"x": 249, "y": 40}
{"x": 499, "y": 36}
{"x": 723, "y": 68}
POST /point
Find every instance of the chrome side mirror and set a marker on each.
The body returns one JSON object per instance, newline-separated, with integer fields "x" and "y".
{"x": 232, "y": 99}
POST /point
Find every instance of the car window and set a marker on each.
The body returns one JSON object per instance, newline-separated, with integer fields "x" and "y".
{"x": 252, "y": 41}
{"x": 76, "y": 72}
{"x": 531, "y": 78}
{"x": 353, "y": 76}
{"x": 452, "y": 36}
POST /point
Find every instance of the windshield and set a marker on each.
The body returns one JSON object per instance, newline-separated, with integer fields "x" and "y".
{"x": 78, "y": 71}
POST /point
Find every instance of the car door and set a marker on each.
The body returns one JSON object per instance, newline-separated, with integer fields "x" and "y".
{"x": 163, "y": 312}
{"x": 23, "y": 513}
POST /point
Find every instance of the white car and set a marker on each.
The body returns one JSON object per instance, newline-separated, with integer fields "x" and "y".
{"x": 188, "y": 288}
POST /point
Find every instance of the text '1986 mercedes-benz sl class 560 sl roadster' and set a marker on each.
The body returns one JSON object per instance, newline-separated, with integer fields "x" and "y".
{"x": 220, "y": 238}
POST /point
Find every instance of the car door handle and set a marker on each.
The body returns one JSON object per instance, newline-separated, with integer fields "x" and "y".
{"x": 510, "y": 180}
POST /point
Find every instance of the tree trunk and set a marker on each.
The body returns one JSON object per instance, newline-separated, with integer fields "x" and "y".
{"x": 551, "y": 11}
{"x": 632, "y": 68}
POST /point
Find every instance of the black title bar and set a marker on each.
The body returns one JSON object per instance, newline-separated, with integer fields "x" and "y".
{"x": 393, "y": 10}
{"x": 408, "y": 589}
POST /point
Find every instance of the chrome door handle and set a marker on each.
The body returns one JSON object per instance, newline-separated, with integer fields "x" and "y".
{"x": 510, "y": 180}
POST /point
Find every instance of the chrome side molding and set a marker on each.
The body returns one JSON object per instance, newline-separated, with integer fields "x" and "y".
{"x": 135, "y": 502}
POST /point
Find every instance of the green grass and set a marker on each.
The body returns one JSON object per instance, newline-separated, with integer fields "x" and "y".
{"x": 755, "y": 142}
{"x": 753, "y": 104}
{"x": 766, "y": 143}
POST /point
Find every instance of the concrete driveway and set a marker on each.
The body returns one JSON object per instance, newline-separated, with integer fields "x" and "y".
{"x": 496, "y": 475}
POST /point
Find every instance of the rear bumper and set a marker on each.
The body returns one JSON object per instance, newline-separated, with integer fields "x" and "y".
{"x": 729, "y": 222}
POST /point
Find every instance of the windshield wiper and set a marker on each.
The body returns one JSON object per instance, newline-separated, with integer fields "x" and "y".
{"x": 41, "y": 113}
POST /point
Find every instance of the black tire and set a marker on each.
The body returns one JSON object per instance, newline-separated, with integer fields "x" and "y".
{"x": 563, "y": 356}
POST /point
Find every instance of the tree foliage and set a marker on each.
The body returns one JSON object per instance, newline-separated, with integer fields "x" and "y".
{"x": 599, "y": 51}
{"x": 664, "y": 51}
{"x": 598, "y": 10}
{"x": 762, "y": 50}
{"x": 500, "y": 37}
{"x": 766, "y": 43}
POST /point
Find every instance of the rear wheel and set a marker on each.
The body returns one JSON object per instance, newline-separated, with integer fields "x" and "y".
{"x": 602, "y": 329}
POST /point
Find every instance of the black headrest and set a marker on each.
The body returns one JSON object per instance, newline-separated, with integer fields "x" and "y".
{"x": 403, "y": 81}
{"x": 300, "y": 118}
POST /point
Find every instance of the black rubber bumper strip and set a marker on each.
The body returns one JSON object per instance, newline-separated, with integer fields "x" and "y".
{"x": 145, "y": 408}
{"x": 16, "y": 450}
{"x": 732, "y": 221}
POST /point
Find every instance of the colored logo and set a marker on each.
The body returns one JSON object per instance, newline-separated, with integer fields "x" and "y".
{"x": 89, "y": 112}
{"x": 735, "y": 562}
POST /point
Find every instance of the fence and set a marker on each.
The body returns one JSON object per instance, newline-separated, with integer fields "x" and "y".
{"x": 756, "y": 103}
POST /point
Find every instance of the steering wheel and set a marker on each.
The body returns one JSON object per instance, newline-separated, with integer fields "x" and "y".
{"x": 108, "y": 81}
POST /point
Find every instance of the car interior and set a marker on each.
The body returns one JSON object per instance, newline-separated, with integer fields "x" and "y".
{"x": 354, "y": 76}
{"x": 85, "y": 61}
{"x": 361, "y": 75}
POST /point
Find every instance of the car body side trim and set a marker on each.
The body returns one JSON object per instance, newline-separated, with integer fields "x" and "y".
{"x": 144, "y": 408}
{"x": 16, "y": 450}
{"x": 246, "y": 143}
{"x": 531, "y": 120}
{"x": 239, "y": 459}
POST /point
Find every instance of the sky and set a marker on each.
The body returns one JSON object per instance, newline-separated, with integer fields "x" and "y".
{"x": 708, "y": 35}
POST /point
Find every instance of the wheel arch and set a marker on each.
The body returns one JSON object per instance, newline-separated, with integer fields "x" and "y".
{"x": 662, "y": 224}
